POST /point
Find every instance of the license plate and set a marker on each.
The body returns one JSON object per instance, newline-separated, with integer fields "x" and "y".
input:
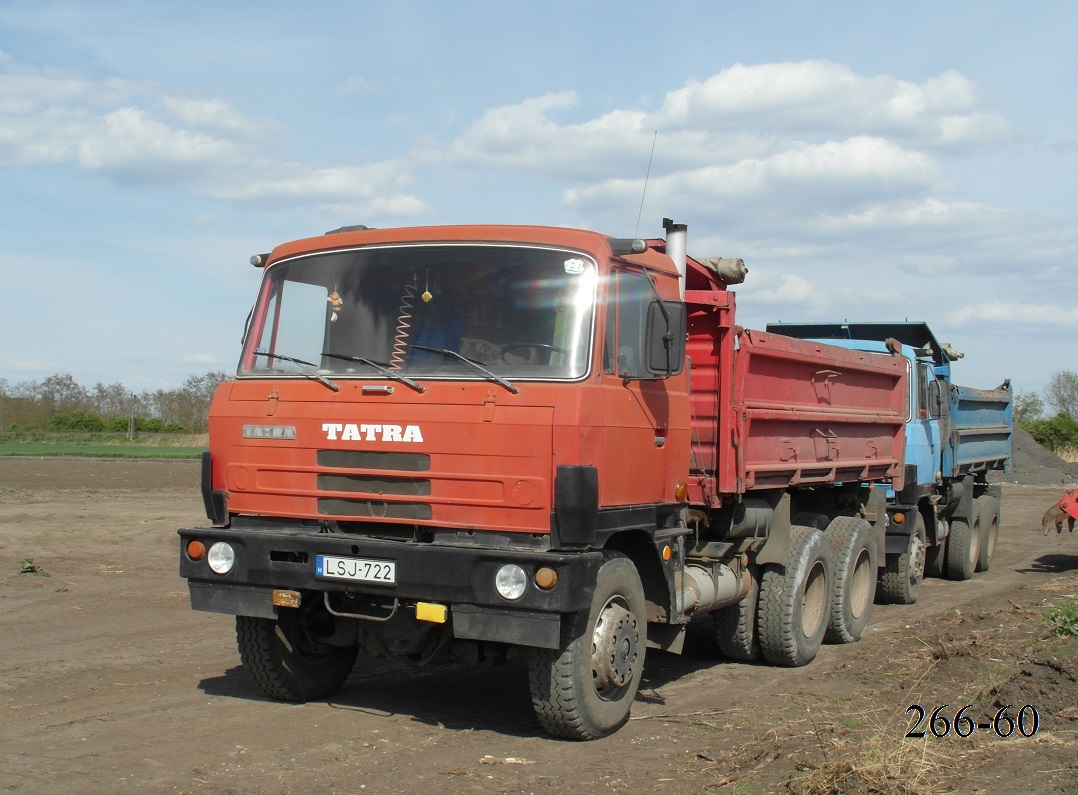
{"x": 383, "y": 572}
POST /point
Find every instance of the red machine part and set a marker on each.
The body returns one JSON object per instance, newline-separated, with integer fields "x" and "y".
{"x": 1069, "y": 503}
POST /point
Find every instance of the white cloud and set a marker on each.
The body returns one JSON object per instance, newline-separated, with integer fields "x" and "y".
{"x": 201, "y": 358}
{"x": 1036, "y": 316}
{"x": 777, "y": 290}
{"x": 129, "y": 144}
{"x": 814, "y": 97}
{"x": 349, "y": 191}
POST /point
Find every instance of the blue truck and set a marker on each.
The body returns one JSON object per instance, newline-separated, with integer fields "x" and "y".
{"x": 945, "y": 520}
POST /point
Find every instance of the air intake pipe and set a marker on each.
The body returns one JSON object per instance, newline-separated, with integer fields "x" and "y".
{"x": 676, "y": 237}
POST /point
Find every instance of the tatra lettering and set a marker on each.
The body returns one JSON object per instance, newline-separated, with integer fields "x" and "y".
{"x": 369, "y": 432}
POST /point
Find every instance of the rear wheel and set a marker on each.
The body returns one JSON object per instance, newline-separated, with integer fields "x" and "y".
{"x": 903, "y": 573}
{"x": 964, "y": 547}
{"x": 936, "y": 559}
{"x": 795, "y": 600}
{"x": 988, "y": 518}
{"x": 735, "y": 625}
{"x": 585, "y": 689}
{"x": 854, "y": 549}
{"x": 290, "y": 657}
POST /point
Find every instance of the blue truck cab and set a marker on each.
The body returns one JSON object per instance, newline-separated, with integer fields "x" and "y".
{"x": 945, "y": 520}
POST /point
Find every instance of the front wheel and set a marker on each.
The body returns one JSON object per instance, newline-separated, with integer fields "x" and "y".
{"x": 585, "y": 689}
{"x": 290, "y": 657}
{"x": 903, "y": 573}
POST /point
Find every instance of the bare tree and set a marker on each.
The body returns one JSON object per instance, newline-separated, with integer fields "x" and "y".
{"x": 1061, "y": 393}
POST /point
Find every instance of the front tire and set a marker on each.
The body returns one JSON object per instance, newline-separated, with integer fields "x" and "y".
{"x": 901, "y": 578}
{"x": 854, "y": 548}
{"x": 584, "y": 690}
{"x": 288, "y": 657}
{"x": 795, "y": 600}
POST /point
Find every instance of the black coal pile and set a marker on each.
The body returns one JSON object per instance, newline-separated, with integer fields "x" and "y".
{"x": 1034, "y": 465}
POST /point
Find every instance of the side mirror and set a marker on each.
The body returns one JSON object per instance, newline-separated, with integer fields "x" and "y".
{"x": 937, "y": 399}
{"x": 665, "y": 338}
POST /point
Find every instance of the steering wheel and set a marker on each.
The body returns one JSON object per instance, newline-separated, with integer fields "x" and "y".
{"x": 535, "y": 346}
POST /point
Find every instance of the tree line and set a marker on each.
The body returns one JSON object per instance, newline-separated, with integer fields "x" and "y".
{"x": 60, "y": 403}
{"x": 1060, "y": 395}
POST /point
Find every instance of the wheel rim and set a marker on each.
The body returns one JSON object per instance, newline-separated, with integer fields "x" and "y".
{"x": 815, "y": 602}
{"x": 861, "y": 584}
{"x": 917, "y": 560}
{"x": 615, "y": 648}
{"x": 993, "y": 533}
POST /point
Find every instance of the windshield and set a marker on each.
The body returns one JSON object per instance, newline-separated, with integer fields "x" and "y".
{"x": 430, "y": 311}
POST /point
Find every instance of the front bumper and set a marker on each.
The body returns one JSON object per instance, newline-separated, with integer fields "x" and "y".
{"x": 457, "y": 576}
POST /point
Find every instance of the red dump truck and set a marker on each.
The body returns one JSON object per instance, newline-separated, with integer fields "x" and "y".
{"x": 453, "y": 443}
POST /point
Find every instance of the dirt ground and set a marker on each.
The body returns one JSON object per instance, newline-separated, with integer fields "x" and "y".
{"x": 109, "y": 682}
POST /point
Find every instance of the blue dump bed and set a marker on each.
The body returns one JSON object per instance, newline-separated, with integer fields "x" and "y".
{"x": 981, "y": 431}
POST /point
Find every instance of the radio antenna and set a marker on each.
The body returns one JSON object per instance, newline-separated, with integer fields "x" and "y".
{"x": 647, "y": 176}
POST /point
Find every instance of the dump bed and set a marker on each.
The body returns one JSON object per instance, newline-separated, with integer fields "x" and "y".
{"x": 770, "y": 411}
{"x": 981, "y": 431}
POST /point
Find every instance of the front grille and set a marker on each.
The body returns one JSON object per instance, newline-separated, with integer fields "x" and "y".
{"x": 372, "y": 484}
{"x": 365, "y": 459}
{"x": 374, "y": 509}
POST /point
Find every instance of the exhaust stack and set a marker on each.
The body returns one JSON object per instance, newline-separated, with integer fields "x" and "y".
{"x": 676, "y": 236}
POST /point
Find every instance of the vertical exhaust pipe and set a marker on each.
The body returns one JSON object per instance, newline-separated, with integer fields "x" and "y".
{"x": 676, "y": 236}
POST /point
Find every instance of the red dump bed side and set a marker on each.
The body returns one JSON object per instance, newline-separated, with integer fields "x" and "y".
{"x": 774, "y": 412}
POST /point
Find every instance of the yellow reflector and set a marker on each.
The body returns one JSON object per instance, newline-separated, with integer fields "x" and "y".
{"x": 681, "y": 490}
{"x": 286, "y": 598}
{"x": 428, "y": 611}
{"x": 899, "y": 518}
{"x": 667, "y": 552}
{"x": 546, "y": 578}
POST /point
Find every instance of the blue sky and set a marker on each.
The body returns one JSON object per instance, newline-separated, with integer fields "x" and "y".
{"x": 869, "y": 161}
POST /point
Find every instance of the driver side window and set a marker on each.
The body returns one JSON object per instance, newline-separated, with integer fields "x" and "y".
{"x": 626, "y": 322}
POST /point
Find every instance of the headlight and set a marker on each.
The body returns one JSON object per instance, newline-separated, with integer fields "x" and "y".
{"x": 221, "y": 558}
{"x": 511, "y": 581}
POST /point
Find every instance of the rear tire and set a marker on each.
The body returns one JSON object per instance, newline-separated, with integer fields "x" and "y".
{"x": 963, "y": 547}
{"x": 901, "y": 578}
{"x": 936, "y": 560}
{"x": 584, "y": 690}
{"x": 287, "y": 657}
{"x": 795, "y": 600}
{"x": 735, "y": 625}
{"x": 854, "y": 549}
{"x": 988, "y": 517}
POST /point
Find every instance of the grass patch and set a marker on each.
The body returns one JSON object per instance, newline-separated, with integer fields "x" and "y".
{"x": 880, "y": 764}
{"x": 103, "y": 445}
{"x": 1062, "y": 620}
{"x": 29, "y": 567}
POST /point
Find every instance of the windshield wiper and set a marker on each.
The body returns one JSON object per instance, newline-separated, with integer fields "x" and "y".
{"x": 309, "y": 370}
{"x": 469, "y": 362}
{"x": 381, "y": 368}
